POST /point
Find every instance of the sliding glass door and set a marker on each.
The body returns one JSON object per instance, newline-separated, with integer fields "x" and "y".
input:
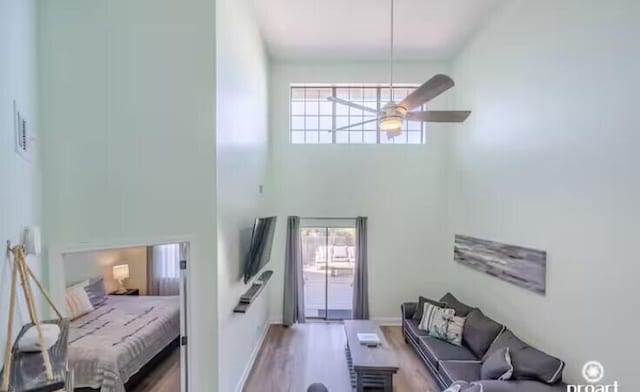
{"x": 328, "y": 258}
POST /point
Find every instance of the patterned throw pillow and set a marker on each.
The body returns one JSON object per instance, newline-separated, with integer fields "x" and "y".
{"x": 77, "y": 302}
{"x": 449, "y": 328}
{"x": 432, "y": 315}
{"x": 442, "y": 324}
{"x": 96, "y": 292}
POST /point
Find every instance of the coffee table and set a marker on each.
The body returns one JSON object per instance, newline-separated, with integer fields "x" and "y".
{"x": 372, "y": 367}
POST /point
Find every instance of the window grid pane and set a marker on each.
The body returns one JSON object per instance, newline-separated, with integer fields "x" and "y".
{"x": 313, "y": 118}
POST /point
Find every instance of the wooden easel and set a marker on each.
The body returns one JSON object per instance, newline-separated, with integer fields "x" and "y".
{"x": 21, "y": 268}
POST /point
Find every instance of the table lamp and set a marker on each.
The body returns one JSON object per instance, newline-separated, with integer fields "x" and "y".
{"x": 120, "y": 273}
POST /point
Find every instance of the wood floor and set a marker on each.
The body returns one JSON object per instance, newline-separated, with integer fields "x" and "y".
{"x": 165, "y": 377}
{"x": 292, "y": 358}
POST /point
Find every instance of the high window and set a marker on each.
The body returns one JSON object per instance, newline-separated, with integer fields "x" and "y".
{"x": 315, "y": 120}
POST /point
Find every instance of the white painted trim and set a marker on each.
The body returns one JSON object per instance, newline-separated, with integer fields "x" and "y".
{"x": 254, "y": 356}
{"x": 388, "y": 321}
{"x": 56, "y": 276}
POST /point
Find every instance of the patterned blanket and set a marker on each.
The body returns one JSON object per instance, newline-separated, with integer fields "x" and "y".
{"x": 112, "y": 343}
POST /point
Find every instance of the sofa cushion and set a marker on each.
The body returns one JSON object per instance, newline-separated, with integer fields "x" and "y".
{"x": 412, "y": 328}
{"x": 520, "y": 386}
{"x": 528, "y": 363}
{"x": 479, "y": 332}
{"x": 497, "y": 366}
{"x": 452, "y": 302}
{"x": 452, "y": 371}
{"x": 438, "y": 350}
{"x": 420, "y": 309}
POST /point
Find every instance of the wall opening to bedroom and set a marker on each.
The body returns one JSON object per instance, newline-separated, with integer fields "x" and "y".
{"x": 128, "y": 311}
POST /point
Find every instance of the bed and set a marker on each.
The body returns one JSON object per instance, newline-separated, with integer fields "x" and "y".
{"x": 114, "y": 342}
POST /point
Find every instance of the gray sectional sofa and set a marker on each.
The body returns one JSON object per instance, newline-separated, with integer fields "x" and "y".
{"x": 533, "y": 370}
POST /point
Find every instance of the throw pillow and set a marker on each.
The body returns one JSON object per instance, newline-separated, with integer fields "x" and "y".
{"x": 528, "y": 363}
{"x": 497, "y": 366}
{"x": 96, "y": 292}
{"x": 462, "y": 309}
{"x": 434, "y": 314}
{"x": 77, "y": 302}
{"x": 479, "y": 332}
{"x": 449, "y": 328}
{"x": 420, "y": 308}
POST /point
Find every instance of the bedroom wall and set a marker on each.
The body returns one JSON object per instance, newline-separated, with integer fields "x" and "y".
{"x": 20, "y": 195}
{"x": 399, "y": 187}
{"x": 128, "y": 98}
{"x": 242, "y": 153}
{"x": 79, "y": 266}
{"x": 549, "y": 160}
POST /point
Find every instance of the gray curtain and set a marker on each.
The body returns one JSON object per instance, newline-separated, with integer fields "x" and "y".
{"x": 360, "y": 280}
{"x": 293, "y": 309}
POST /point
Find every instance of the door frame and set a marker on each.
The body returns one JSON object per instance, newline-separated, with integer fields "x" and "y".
{"x": 325, "y": 224}
{"x": 55, "y": 277}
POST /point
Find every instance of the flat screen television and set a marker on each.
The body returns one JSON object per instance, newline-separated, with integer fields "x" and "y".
{"x": 259, "y": 247}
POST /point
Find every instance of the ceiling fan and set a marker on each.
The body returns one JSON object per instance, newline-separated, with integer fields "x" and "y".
{"x": 391, "y": 116}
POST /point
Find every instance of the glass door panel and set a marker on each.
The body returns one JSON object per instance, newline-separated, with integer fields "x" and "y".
{"x": 314, "y": 262}
{"x": 341, "y": 253}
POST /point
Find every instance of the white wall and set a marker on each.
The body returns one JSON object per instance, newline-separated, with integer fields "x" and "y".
{"x": 549, "y": 159}
{"x": 399, "y": 187}
{"x": 242, "y": 152}
{"x": 80, "y": 266}
{"x": 20, "y": 195}
{"x": 128, "y": 93}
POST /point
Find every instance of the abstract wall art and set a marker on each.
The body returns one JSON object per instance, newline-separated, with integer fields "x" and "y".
{"x": 523, "y": 267}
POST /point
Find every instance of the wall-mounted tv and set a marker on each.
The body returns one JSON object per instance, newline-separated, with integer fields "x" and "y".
{"x": 260, "y": 246}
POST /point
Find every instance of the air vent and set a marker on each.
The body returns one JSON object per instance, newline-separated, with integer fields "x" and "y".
{"x": 23, "y": 140}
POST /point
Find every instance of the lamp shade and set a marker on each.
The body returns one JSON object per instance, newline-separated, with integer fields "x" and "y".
{"x": 121, "y": 271}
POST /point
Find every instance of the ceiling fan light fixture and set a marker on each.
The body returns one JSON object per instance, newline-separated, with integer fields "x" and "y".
{"x": 391, "y": 124}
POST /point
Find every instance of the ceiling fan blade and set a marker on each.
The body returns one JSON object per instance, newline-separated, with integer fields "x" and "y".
{"x": 356, "y": 124}
{"x": 429, "y": 90}
{"x": 352, "y": 104}
{"x": 439, "y": 116}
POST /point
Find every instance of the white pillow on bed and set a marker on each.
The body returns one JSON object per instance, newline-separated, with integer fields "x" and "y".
{"x": 77, "y": 302}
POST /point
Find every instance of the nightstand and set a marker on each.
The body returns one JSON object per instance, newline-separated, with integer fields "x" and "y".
{"x": 128, "y": 292}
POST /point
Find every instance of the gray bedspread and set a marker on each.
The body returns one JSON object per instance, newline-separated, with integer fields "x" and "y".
{"x": 112, "y": 343}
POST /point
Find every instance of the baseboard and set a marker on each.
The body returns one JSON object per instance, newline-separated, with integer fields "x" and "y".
{"x": 254, "y": 355}
{"x": 388, "y": 321}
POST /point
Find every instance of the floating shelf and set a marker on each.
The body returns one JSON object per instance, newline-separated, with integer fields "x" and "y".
{"x": 254, "y": 291}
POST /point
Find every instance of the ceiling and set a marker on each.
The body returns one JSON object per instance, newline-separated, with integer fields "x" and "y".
{"x": 359, "y": 29}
